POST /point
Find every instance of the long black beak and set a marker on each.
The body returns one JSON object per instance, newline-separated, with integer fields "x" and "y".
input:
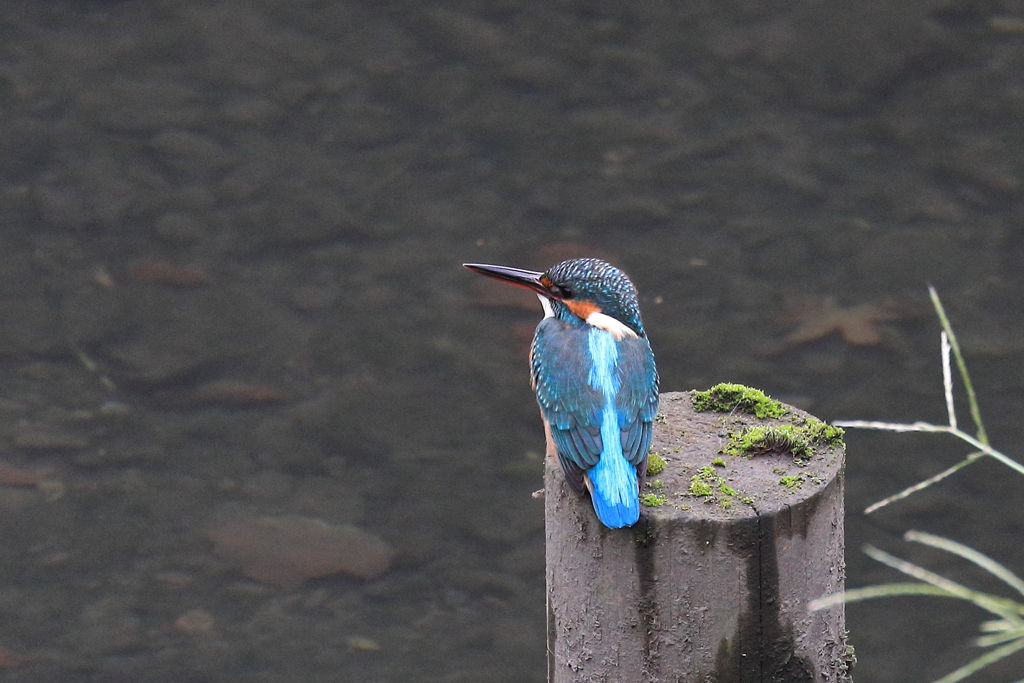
{"x": 527, "y": 279}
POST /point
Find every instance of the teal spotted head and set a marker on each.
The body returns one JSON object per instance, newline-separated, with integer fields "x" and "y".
{"x": 584, "y": 291}
{"x": 593, "y": 371}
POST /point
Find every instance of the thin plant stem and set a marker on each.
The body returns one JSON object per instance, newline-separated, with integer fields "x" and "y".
{"x": 938, "y": 429}
{"x": 961, "y": 364}
{"x": 923, "y": 484}
{"x": 947, "y": 380}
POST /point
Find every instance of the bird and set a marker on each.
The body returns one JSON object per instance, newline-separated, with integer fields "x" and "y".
{"x": 593, "y": 371}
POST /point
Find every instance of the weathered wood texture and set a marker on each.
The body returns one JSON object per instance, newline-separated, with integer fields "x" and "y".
{"x": 699, "y": 590}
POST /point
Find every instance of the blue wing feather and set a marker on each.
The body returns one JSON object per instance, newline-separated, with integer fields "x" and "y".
{"x": 637, "y": 400}
{"x": 560, "y": 370}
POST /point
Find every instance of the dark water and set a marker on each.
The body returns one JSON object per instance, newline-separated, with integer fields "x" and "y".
{"x": 315, "y": 172}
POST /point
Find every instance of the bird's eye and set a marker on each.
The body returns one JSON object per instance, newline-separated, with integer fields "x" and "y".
{"x": 561, "y": 292}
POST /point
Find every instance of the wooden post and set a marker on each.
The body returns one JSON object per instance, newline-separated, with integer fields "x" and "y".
{"x": 709, "y": 587}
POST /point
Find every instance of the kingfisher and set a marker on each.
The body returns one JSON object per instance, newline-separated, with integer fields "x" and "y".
{"x": 593, "y": 371}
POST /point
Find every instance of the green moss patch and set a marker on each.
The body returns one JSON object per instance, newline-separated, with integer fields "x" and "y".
{"x": 727, "y": 398}
{"x": 793, "y": 481}
{"x": 798, "y": 442}
{"x": 773, "y": 439}
{"x": 652, "y": 499}
{"x": 820, "y": 432}
{"x": 655, "y": 464}
{"x": 708, "y": 485}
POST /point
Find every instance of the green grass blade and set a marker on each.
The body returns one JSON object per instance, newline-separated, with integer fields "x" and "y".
{"x": 971, "y": 555}
{"x": 983, "y": 661}
{"x": 887, "y": 590}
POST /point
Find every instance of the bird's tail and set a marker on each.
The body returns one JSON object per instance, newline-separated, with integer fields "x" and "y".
{"x": 614, "y": 491}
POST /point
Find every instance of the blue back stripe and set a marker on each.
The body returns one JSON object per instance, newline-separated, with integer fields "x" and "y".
{"x": 613, "y": 478}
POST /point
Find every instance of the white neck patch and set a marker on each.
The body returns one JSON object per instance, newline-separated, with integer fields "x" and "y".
{"x": 546, "y": 303}
{"x": 618, "y": 329}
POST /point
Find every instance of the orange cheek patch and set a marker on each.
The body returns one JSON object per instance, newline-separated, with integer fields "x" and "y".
{"x": 582, "y": 308}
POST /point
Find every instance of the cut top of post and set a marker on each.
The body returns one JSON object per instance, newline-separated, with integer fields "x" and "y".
{"x": 733, "y": 452}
